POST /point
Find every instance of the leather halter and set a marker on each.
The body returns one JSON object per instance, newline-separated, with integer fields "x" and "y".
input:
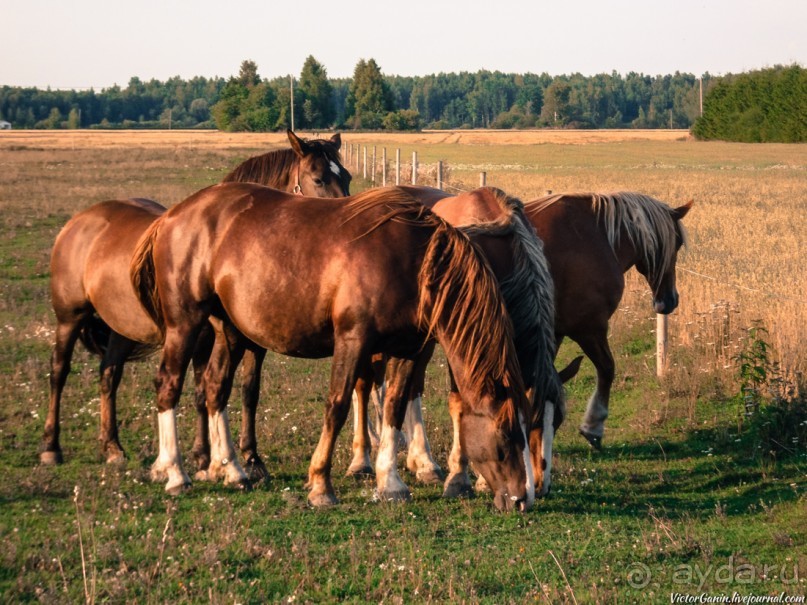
{"x": 298, "y": 190}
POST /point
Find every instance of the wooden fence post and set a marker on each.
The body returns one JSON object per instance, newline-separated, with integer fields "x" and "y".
{"x": 414, "y": 167}
{"x": 661, "y": 344}
{"x": 483, "y": 179}
{"x": 383, "y": 166}
{"x": 398, "y": 166}
{"x": 372, "y": 178}
{"x": 440, "y": 174}
{"x": 364, "y": 168}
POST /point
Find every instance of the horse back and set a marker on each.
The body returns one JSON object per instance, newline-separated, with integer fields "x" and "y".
{"x": 587, "y": 276}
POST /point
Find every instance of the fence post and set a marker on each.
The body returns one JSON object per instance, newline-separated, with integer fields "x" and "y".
{"x": 398, "y": 166}
{"x": 356, "y": 157}
{"x": 372, "y": 178}
{"x": 414, "y": 167}
{"x": 483, "y": 179}
{"x": 661, "y": 344}
{"x": 383, "y": 166}
{"x": 364, "y": 168}
{"x": 440, "y": 174}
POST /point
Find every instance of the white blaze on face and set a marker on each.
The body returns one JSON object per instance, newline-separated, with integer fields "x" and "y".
{"x": 530, "y": 486}
{"x": 335, "y": 168}
{"x": 546, "y": 444}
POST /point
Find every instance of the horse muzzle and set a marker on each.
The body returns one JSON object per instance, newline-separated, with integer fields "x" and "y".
{"x": 666, "y": 305}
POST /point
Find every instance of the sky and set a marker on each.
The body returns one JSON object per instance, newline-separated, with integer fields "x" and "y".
{"x": 83, "y": 44}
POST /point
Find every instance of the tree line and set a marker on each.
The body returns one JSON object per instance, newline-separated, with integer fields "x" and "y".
{"x": 370, "y": 100}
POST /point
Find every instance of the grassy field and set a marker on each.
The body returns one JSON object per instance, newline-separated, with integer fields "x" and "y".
{"x": 688, "y": 495}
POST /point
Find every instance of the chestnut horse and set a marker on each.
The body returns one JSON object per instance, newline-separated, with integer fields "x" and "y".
{"x": 497, "y": 224}
{"x": 94, "y": 302}
{"x": 590, "y": 241}
{"x": 389, "y": 276}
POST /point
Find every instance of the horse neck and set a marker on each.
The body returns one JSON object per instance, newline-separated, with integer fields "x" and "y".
{"x": 625, "y": 250}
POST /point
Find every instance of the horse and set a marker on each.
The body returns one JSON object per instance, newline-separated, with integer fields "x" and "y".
{"x": 590, "y": 241}
{"x": 94, "y": 302}
{"x": 389, "y": 276}
{"x": 497, "y": 224}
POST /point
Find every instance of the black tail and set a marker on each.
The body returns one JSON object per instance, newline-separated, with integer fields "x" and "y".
{"x": 95, "y": 335}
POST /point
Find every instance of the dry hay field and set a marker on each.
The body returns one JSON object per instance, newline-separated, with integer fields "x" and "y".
{"x": 686, "y": 482}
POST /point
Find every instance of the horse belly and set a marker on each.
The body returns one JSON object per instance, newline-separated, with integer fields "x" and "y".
{"x": 280, "y": 316}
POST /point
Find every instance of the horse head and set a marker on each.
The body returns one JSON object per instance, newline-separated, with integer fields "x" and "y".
{"x": 497, "y": 445}
{"x": 660, "y": 270}
{"x": 319, "y": 171}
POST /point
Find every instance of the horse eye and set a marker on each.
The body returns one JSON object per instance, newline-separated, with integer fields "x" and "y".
{"x": 318, "y": 182}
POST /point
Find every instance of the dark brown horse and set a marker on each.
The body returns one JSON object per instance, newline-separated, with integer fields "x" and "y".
{"x": 390, "y": 275}
{"x": 497, "y": 224}
{"x": 590, "y": 241}
{"x": 93, "y": 299}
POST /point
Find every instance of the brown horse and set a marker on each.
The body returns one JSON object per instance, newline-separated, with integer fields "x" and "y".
{"x": 590, "y": 241}
{"x": 93, "y": 299}
{"x": 497, "y": 224}
{"x": 389, "y": 276}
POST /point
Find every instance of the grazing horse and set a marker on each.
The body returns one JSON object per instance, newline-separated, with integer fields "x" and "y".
{"x": 590, "y": 241}
{"x": 389, "y": 276}
{"x": 497, "y": 224}
{"x": 94, "y": 302}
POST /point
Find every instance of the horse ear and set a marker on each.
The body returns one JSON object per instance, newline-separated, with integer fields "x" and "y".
{"x": 337, "y": 140}
{"x": 681, "y": 211}
{"x": 299, "y": 145}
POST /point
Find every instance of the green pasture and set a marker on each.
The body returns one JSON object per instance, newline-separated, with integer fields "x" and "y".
{"x": 682, "y": 499}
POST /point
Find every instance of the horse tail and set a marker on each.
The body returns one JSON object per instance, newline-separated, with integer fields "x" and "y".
{"x": 459, "y": 300}
{"x": 142, "y": 274}
{"x": 94, "y": 335}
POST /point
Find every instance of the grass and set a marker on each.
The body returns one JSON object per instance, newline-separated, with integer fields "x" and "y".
{"x": 682, "y": 497}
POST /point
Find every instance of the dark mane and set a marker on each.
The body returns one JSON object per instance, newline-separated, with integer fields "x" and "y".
{"x": 271, "y": 169}
{"x": 275, "y": 168}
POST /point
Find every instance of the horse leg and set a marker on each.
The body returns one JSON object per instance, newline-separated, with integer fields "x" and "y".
{"x": 595, "y": 345}
{"x": 361, "y": 465}
{"x": 177, "y": 351}
{"x": 419, "y": 458}
{"x": 458, "y": 483}
{"x": 66, "y": 335}
{"x": 118, "y": 350}
{"x": 224, "y": 358}
{"x": 250, "y": 393}
{"x": 348, "y": 359}
{"x": 390, "y": 487}
{"x": 201, "y": 355}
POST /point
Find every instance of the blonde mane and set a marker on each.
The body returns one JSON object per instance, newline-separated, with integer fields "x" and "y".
{"x": 646, "y": 221}
{"x": 529, "y": 296}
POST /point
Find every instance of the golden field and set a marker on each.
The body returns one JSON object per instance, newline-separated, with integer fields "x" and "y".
{"x": 747, "y": 258}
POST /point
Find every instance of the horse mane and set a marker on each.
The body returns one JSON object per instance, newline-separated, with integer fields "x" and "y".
{"x": 529, "y": 296}
{"x": 270, "y": 169}
{"x": 459, "y": 297}
{"x": 274, "y": 168}
{"x": 647, "y": 222}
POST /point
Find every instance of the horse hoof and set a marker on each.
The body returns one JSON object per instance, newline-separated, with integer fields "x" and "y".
{"x": 457, "y": 489}
{"x": 594, "y": 440}
{"x": 430, "y": 476}
{"x": 360, "y": 472}
{"x": 400, "y": 495}
{"x": 116, "y": 458}
{"x": 481, "y": 485}
{"x": 177, "y": 490}
{"x": 323, "y": 500}
{"x": 243, "y": 485}
{"x": 158, "y": 475}
{"x": 255, "y": 469}
{"x": 203, "y": 475}
{"x": 50, "y": 458}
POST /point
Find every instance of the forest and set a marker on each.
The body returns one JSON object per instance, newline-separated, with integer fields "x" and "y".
{"x": 768, "y": 103}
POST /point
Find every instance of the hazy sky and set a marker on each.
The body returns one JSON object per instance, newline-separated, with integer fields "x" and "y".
{"x": 98, "y": 43}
